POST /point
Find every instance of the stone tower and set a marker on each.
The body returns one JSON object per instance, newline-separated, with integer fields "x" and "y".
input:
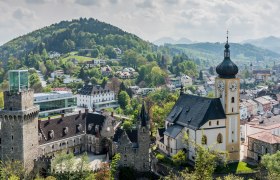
{"x": 19, "y": 122}
{"x": 227, "y": 88}
{"x": 143, "y": 140}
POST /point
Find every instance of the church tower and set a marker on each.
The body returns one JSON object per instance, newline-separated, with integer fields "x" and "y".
{"x": 227, "y": 88}
{"x": 19, "y": 122}
{"x": 143, "y": 140}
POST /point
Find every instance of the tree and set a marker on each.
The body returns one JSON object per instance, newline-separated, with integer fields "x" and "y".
{"x": 157, "y": 76}
{"x": 110, "y": 52}
{"x": 94, "y": 53}
{"x": 104, "y": 82}
{"x": 179, "y": 158}
{"x": 103, "y": 173}
{"x": 42, "y": 68}
{"x": 12, "y": 169}
{"x": 83, "y": 163}
{"x": 13, "y": 63}
{"x": 127, "y": 124}
{"x": 68, "y": 45}
{"x": 123, "y": 99}
{"x": 114, "y": 165}
{"x": 272, "y": 163}
{"x": 1, "y": 100}
{"x": 35, "y": 82}
{"x": 50, "y": 65}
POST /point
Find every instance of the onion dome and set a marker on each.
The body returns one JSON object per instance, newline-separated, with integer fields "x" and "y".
{"x": 227, "y": 68}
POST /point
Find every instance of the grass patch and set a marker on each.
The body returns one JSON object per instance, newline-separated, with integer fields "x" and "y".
{"x": 236, "y": 167}
{"x": 80, "y": 59}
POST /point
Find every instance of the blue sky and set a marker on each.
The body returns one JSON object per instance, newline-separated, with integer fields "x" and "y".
{"x": 198, "y": 20}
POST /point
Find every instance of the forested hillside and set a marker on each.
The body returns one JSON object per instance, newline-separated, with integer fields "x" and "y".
{"x": 213, "y": 52}
{"x": 68, "y": 36}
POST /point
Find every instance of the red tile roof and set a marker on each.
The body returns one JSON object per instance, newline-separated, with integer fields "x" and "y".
{"x": 266, "y": 137}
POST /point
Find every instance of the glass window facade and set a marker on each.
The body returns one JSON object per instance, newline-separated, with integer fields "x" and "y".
{"x": 57, "y": 104}
{"x": 18, "y": 80}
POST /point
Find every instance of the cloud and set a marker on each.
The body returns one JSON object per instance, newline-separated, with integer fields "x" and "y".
{"x": 35, "y": 1}
{"x": 114, "y": 1}
{"x": 145, "y": 4}
{"x": 88, "y": 2}
{"x": 21, "y": 13}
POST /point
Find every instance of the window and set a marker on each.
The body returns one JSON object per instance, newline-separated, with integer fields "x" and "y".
{"x": 217, "y": 123}
{"x": 232, "y": 100}
{"x": 209, "y": 123}
{"x": 204, "y": 140}
{"x": 12, "y": 137}
{"x": 220, "y": 138}
{"x": 232, "y": 110}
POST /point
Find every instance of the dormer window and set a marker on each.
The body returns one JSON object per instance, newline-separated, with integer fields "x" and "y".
{"x": 90, "y": 127}
{"x": 51, "y": 134}
{"x": 65, "y": 131}
{"x": 79, "y": 128}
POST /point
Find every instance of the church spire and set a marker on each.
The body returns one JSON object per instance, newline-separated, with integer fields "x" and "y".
{"x": 143, "y": 116}
{"x": 227, "y": 51}
{"x": 227, "y": 68}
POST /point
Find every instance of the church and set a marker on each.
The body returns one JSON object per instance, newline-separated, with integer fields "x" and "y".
{"x": 211, "y": 122}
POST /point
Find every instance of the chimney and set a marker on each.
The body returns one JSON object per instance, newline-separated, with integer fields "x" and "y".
{"x": 112, "y": 113}
{"x": 86, "y": 110}
{"x": 62, "y": 115}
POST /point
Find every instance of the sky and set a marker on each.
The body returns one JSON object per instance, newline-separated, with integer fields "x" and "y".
{"x": 198, "y": 20}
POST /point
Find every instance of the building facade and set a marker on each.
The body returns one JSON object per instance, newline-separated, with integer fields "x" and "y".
{"x": 55, "y": 102}
{"x": 96, "y": 96}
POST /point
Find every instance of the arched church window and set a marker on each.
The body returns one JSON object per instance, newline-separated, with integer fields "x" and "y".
{"x": 204, "y": 139}
{"x": 220, "y": 138}
{"x": 232, "y": 100}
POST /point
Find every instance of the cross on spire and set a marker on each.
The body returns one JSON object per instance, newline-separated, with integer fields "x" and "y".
{"x": 227, "y": 36}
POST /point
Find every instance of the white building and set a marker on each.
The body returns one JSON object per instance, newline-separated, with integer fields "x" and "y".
{"x": 68, "y": 79}
{"x": 211, "y": 122}
{"x": 57, "y": 73}
{"x": 95, "y": 96}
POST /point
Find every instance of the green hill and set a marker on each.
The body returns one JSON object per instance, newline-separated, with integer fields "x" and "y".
{"x": 68, "y": 36}
{"x": 240, "y": 53}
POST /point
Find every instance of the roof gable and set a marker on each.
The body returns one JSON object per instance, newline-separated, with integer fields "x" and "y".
{"x": 194, "y": 111}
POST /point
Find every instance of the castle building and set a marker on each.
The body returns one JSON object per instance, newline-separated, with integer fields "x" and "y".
{"x": 133, "y": 145}
{"x": 211, "y": 122}
{"x": 34, "y": 141}
{"x": 26, "y": 138}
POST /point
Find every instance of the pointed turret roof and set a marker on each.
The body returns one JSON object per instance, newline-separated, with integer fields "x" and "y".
{"x": 143, "y": 116}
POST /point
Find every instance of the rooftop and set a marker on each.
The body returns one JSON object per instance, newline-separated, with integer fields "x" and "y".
{"x": 266, "y": 137}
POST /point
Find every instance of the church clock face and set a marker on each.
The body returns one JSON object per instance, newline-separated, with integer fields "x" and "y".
{"x": 233, "y": 86}
{"x": 221, "y": 86}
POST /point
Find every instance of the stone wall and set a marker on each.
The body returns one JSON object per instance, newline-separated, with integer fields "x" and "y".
{"x": 257, "y": 148}
{"x": 18, "y": 100}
